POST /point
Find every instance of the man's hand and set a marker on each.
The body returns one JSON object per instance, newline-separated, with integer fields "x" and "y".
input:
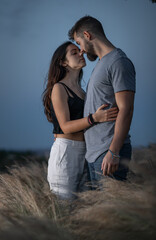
{"x": 109, "y": 165}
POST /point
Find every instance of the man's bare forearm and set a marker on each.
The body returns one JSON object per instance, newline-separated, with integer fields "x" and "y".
{"x": 121, "y": 130}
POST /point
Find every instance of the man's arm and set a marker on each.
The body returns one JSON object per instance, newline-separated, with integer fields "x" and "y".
{"x": 125, "y": 103}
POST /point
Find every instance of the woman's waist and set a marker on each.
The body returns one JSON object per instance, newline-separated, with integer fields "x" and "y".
{"x": 70, "y": 142}
{"x": 79, "y": 136}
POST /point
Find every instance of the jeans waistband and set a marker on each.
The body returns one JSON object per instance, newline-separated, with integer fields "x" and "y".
{"x": 70, "y": 142}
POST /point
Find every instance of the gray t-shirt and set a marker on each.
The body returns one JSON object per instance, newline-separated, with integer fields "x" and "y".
{"x": 113, "y": 73}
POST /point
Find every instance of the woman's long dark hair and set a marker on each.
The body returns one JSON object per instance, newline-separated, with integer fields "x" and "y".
{"x": 56, "y": 73}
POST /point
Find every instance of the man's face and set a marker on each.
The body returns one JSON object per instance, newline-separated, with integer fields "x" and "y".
{"x": 86, "y": 47}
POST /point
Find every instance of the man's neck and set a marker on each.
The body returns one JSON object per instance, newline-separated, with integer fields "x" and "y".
{"x": 103, "y": 47}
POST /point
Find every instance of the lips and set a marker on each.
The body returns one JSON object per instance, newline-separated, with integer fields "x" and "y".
{"x": 82, "y": 59}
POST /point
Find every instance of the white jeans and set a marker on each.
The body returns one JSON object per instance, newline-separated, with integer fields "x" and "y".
{"x": 66, "y": 167}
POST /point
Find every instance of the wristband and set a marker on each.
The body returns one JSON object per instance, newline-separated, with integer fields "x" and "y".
{"x": 113, "y": 154}
{"x": 90, "y": 120}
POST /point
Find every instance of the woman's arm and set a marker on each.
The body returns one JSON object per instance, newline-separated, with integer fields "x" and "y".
{"x": 60, "y": 103}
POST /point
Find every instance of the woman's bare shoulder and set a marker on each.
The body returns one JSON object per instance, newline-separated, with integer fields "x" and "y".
{"x": 58, "y": 90}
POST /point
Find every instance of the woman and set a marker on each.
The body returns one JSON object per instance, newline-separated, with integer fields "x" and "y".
{"x": 63, "y": 105}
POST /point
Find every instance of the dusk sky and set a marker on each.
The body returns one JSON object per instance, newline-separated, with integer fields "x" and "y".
{"x": 30, "y": 32}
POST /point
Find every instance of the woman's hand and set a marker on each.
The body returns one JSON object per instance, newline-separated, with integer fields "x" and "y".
{"x": 102, "y": 115}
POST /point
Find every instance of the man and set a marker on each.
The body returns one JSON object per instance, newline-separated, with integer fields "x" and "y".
{"x": 112, "y": 82}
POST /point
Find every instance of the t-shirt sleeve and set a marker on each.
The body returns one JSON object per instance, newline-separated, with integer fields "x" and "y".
{"x": 122, "y": 75}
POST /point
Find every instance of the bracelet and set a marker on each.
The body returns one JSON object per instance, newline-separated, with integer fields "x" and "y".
{"x": 90, "y": 120}
{"x": 113, "y": 154}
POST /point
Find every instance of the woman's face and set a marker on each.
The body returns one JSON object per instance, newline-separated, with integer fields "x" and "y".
{"x": 74, "y": 59}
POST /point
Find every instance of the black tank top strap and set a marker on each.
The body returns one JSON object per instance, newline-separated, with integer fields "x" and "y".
{"x": 65, "y": 87}
{"x": 68, "y": 89}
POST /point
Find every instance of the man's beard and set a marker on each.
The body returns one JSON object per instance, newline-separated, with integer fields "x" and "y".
{"x": 91, "y": 57}
{"x": 90, "y": 52}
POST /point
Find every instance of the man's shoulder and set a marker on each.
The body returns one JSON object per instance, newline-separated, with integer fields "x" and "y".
{"x": 121, "y": 60}
{"x": 115, "y": 55}
{"x": 118, "y": 55}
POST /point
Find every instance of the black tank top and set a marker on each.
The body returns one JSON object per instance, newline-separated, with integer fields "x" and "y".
{"x": 76, "y": 107}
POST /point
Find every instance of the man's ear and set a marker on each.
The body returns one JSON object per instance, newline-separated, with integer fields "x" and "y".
{"x": 87, "y": 35}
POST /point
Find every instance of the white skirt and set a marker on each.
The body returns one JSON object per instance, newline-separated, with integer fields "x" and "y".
{"x": 67, "y": 171}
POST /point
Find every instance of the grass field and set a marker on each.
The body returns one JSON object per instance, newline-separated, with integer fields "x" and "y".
{"x": 122, "y": 210}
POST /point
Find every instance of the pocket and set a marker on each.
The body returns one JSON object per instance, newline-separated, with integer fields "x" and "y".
{"x": 62, "y": 152}
{"x": 126, "y": 151}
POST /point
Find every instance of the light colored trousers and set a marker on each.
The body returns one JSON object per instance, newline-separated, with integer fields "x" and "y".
{"x": 66, "y": 167}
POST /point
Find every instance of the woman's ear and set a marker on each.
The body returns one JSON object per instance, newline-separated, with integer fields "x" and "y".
{"x": 63, "y": 63}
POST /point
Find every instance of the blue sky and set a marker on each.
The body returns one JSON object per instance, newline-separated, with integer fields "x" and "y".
{"x": 30, "y": 32}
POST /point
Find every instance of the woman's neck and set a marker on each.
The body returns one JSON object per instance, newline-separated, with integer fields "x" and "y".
{"x": 72, "y": 78}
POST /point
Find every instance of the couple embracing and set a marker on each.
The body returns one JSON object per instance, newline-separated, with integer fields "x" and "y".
{"x": 91, "y": 129}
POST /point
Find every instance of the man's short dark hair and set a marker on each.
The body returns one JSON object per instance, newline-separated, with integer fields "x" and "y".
{"x": 86, "y": 23}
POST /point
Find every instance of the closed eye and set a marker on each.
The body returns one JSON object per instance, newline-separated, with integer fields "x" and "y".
{"x": 73, "y": 53}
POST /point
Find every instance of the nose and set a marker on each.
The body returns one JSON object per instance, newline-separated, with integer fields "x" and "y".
{"x": 81, "y": 52}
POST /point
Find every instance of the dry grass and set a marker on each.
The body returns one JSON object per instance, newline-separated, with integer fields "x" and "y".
{"x": 15, "y": 227}
{"x": 26, "y": 192}
{"x": 122, "y": 210}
